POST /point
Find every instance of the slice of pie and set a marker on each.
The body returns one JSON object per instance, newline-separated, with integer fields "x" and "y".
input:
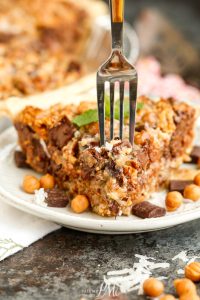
{"x": 116, "y": 176}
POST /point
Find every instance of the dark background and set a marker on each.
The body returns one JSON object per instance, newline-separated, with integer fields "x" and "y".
{"x": 177, "y": 47}
{"x": 185, "y": 14}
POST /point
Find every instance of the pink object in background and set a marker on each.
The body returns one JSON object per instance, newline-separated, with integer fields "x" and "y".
{"x": 152, "y": 83}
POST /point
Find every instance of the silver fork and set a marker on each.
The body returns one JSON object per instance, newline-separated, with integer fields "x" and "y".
{"x": 116, "y": 69}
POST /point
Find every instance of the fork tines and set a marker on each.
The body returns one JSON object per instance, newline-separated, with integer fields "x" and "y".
{"x": 101, "y": 106}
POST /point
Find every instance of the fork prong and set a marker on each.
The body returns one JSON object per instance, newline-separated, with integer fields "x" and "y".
{"x": 133, "y": 102}
{"x": 112, "y": 109}
{"x": 101, "y": 110}
{"x": 121, "y": 118}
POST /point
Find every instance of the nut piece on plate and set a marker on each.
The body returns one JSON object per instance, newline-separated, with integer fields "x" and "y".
{"x": 192, "y": 271}
{"x": 197, "y": 179}
{"x": 79, "y": 204}
{"x": 153, "y": 287}
{"x": 167, "y": 297}
{"x": 147, "y": 210}
{"x": 173, "y": 201}
{"x": 30, "y": 184}
{"x": 184, "y": 286}
{"x": 20, "y": 159}
{"x": 189, "y": 296}
{"x": 47, "y": 181}
{"x": 192, "y": 192}
{"x": 56, "y": 198}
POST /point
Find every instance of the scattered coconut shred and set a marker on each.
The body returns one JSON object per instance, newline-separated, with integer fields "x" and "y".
{"x": 40, "y": 197}
{"x": 128, "y": 280}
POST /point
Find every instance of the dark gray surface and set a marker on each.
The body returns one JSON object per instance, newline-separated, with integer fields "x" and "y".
{"x": 69, "y": 265}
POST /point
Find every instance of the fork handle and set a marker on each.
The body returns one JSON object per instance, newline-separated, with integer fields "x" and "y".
{"x": 117, "y": 23}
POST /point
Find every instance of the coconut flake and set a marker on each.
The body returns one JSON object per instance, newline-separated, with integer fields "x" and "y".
{"x": 40, "y": 197}
{"x": 131, "y": 279}
{"x": 180, "y": 272}
{"x": 181, "y": 256}
{"x": 108, "y": 146}
{"x": 44, "y": 147}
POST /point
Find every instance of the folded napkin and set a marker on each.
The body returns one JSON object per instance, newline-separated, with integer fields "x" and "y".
{"x": 19, "y": 230}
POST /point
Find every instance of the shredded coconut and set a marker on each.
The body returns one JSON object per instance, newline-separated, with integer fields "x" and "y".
{"x": 132, "y": 279}
{"x": 184, "y": 257}
{"x": 98, "y": 149}
{"x": 127, "y": 280}
{"x": 180, "y": 272}
{"x": 181, "y": 256}
{"x": 44, "y": 147}
{"x": 77, "y": 134}
{"x": 40, "y": 197}
{"x": 108, "y": 146}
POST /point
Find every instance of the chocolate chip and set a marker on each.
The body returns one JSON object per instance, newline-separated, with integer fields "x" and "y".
{"x": 147, "y": 210}
{"x": 195, "y": 155}
{"x": 114, "y": 209}
{"x": 56, "y": 198}
{"x": 179, "y": 185}
{"x": 115, "y": 172}
{"x": 6, "y": 37}
{"x": 74, "y": 66}
{"x": 61, "y": 134}
{"x": 54, "y": 168}
{"x": 20, "y": 159}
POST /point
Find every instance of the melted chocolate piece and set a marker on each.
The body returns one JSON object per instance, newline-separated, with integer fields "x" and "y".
{"x": 60, "y": 135}
{"x": 6, "y": 37}
{"x": 115, "y": 172}
{"x": 74, "y": 66}
{"x": 56, "y": 198}
{"x": 195, "y": 155}
{"x": 147, "y": 210}
{"x": 20, "y": 159}
{"x": 179, "y": 185}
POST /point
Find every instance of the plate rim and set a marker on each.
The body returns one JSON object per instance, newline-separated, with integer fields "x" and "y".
{"x": 100, "y": 224}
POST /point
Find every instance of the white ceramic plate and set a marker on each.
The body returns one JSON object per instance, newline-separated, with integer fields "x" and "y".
{"x": 11, "y": 192}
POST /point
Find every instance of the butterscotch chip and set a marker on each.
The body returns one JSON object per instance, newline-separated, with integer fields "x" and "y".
{"x": 56, "y": 198}
{"x": 80, "y": 204}
{"x": 192, "y": 271}
{"x": 47, "y": 181}
{"x": 197, "y": 179}
{"x": 30, "y": 184}
{"x": 192, "y": 192}
{"x": 173, "y": 201}
{"x": 184, "y": 286}
{"x": 189, "y": 296}
{"x": 167, "y": 297}
{"x": 153, "y": 287}
{"x": 147, "y": 210}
